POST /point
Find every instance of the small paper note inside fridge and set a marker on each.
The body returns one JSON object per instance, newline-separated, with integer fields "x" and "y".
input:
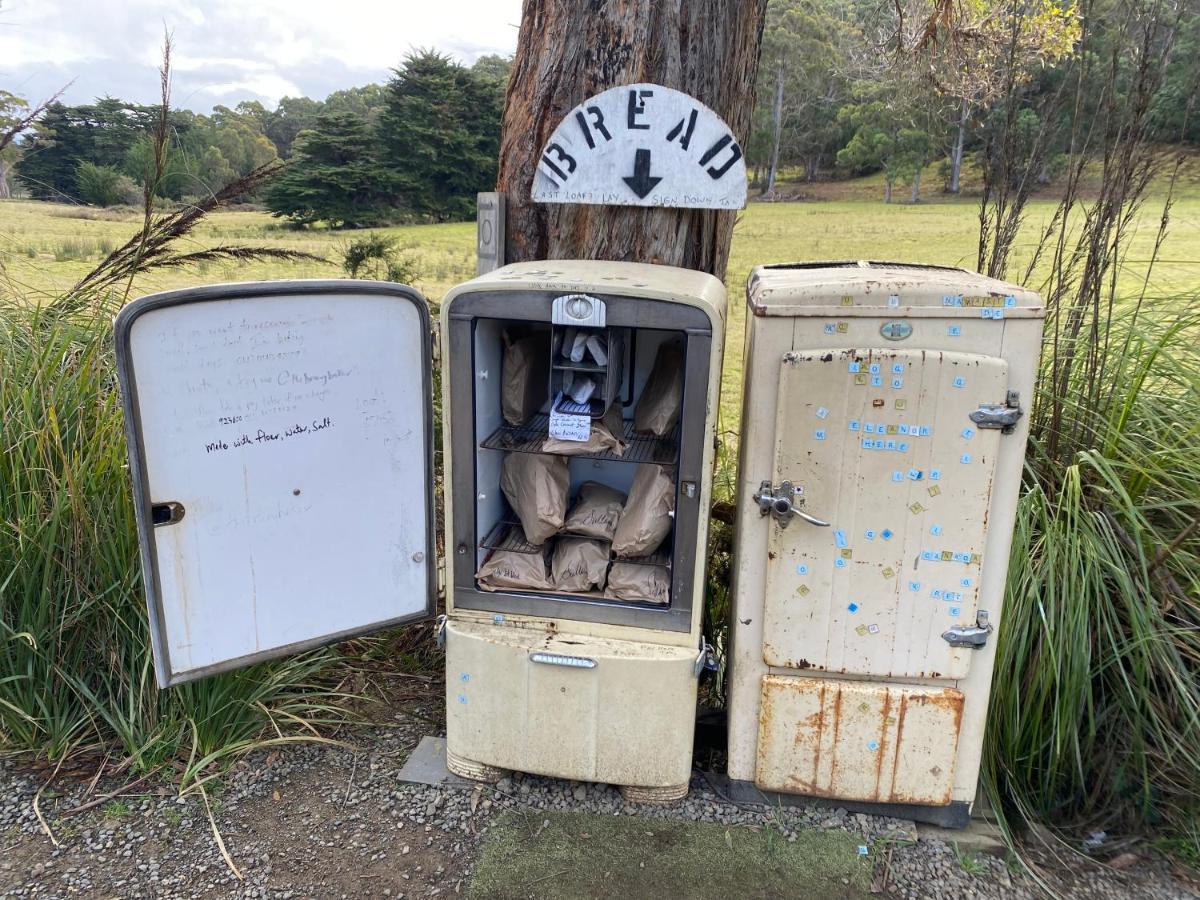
{"x": 568, "y": 427}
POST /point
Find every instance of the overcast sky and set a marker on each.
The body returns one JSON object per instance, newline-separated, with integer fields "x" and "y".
{"x": 231, "y": 50}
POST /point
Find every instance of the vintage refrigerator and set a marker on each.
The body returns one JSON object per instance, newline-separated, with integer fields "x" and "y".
{"x": 576, "y": 684}
{"x": 885, "y": 415}
{"x": 281, "y": 440}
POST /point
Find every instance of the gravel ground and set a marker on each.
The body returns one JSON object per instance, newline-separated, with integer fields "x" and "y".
{"x": 313, "y": 820}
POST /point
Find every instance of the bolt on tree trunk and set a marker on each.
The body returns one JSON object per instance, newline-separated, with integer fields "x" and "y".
{"x": 571, "y": 49}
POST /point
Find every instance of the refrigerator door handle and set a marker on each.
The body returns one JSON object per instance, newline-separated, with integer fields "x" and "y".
{"x": 562, "y": 659}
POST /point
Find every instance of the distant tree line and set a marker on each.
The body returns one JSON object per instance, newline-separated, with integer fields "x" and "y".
{"x": 849, "y": 87}
{"x": 427, "y": 145}
{"x": 845, "y": 87}
{"x": 419, "y": 147}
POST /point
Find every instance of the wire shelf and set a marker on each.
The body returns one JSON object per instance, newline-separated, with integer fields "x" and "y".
{"x": 661, "y": 558}
{"x": 508, "y": 535}
{"x": 530, "y": 437}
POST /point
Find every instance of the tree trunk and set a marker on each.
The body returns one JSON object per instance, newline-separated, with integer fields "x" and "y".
{"x": 956, "y": 155}
{"x": 776, "y": 132}
{"x": 5, "y": 191}
{"x": 916, "y": 185}
{"x": 569, "y": 50}
{"x": 887, "y": 190}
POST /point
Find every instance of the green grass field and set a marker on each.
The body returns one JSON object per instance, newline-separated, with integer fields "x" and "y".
{"x": 46, "y": 247}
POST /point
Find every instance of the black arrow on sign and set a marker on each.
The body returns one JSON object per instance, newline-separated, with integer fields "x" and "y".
{"x": 640, "y": 182}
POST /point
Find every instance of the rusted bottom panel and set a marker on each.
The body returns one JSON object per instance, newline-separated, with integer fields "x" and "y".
{"x": 879, "y": 743}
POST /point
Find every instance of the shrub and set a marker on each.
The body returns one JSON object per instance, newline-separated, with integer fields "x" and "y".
{"x": 379, "y": 257}
{"x": 104, "y": 185}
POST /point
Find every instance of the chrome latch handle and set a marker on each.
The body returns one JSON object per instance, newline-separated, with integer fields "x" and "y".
{"x": 973, "y": 636}
{"x": 784, "y": 502}
{"x": 1003, "y": 416}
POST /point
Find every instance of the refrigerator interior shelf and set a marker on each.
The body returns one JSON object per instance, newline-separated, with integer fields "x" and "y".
{"x": 530, "y": 437}
{"x": 508, "y": 535}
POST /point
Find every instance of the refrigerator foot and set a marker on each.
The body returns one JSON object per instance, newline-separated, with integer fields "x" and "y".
{"x": 476, "y": 771}
{"x": 669, "y": 794}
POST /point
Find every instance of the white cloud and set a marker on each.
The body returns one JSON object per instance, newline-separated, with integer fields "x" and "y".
{"x": 265, "y": 49}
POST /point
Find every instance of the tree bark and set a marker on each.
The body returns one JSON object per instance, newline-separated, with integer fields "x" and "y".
{"x": 956, "y": 155}
{"x": 5, "y": 191}
{"x": 916, "y": 185}
{"x": 776, "y": 132}
{"x": 568, "y": 50}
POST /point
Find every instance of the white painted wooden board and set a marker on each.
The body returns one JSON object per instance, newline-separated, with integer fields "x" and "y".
{"x": 642, "y": 145}
{"x": 293, "y": 429}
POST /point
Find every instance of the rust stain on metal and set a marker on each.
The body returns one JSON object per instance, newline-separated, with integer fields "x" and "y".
{"x": 881, "y": 753}
{"x": 900, "y": 719}
{"x": 816, "y": 768}
{"x": 837, "y": 727}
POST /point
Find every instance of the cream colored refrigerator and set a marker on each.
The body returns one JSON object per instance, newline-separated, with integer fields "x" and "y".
{"x": 884, "y": 422}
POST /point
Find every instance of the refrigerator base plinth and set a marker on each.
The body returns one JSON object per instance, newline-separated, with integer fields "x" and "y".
{"x": 476, "y": 771}
{"x": 656, "y": 795}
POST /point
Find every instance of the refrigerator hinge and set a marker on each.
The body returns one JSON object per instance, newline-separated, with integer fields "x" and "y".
{"x": 439, "y": 631}
{"x": 706, "y": 660}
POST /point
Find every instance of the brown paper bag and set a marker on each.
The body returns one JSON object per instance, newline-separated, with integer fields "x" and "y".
{"x": 638, "y": 583}
{"x": 536, "y": 487}
{"x": 646, "y": 518}
{"x": 596, "y": 511}
{"x": 525, "y": 381}
{"x": 607, "y": 435}
{"x": 657, "y": 410}
{"x": 507, "y": 570}
{"x": 578, "y": 565}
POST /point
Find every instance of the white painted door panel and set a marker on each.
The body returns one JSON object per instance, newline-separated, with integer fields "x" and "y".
{"x": 291, "y": 427}
{"x": 882, "y": 445}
